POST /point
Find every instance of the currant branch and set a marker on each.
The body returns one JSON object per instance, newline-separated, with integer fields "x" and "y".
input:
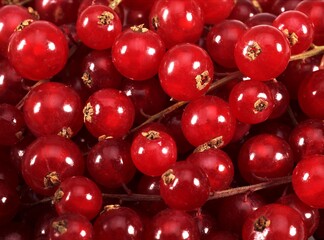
{"x": 215, "y": 195}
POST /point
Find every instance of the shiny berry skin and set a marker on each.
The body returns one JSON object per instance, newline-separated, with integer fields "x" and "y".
{"x": 262, "y": 53}
{"x": 280, "y": 96}
{"x": 58, "y": 12}
{"x": 184, "y": 186}
{"x": 298, "y": 29}
{"x": 48, "y": 161}
{"x": 12, "y": 125}
{"x": 309, "y": 215}
{"x": 117, "y": 222}
{"x": 232, "y": 211}
{"x": 98, "y": 26}
{"x": 221, "y": 41}
{"x": 307, "y": 138}
{"x": 224, "y": 235}
{"x": 314, "y": 10}
{"x": 70, "y": 226}
{"x": 173, "y": 224}
{"x": 109, "y": 163}
{"x": 109, "y": 112}
{"x": 9, "y": 203}
{"x": 215, "y": 11}
{"x": 99, "y": 72}
{"x": 264, "y": 157}
{"x": 78, "y": 195}
{"x": 153, "y": 152}
{"x": 178, "y": 21}
{"x": 10, "y": 17}
{"x": 311, "y": 95}
{"x": 137, "y": 53}
{"x": 280, "y": 6}
{"x": 307, "y": 180}
{"x": 243, "y": 10}
{"x": 38, "y": 51}
{"x": 208, "y": 119}
{"x": 53, "y": 108}
{"x": 217, "y": 165}
{"x": 186, "y": 65}
{"x": 251, "y": 101}
{"x": 274, "y": 221}
{"x": 148, "y": 97}
{"x": 263, "y": 18}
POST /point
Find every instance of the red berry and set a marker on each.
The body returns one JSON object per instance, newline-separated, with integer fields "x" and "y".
{"x": 137, "y": 53}
{"x": 109, "y": 163}
{"x": 184, "y": 186}
{"x": 38, "y": 50}
{"x": 48, "y": 161}
{"x": 109, "y": 113}
{"x": 70, "y": 226}
{"x": 216, "y": 11}
{"x": 117, "y": 222}
{"x": 177, "y": 21}
{"x": 262, "y": 53}
{"x": 53, "y": 108}
{"x": 264, "y": 157}
{"x": 208, "y": 119}
{"x": 98, "y": 26}
{"x": 153, "y": 152}
{"x": 186, "y": 65}
{"x": 308, "y": 180}
{"x": 274, "y": 221}
{"x": 251, "y": 101}
{"x": 78, "y": 195}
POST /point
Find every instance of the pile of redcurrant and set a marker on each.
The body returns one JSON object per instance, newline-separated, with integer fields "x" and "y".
{"x": 161, "y": 119}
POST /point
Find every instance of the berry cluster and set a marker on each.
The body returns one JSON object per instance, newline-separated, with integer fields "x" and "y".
{"x": 169, "y": 120}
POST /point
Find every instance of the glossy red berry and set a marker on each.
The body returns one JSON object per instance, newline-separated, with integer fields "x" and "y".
{"x": 78, "y": 195}
{"x": 48, "y": 161}
{"x": 10, "y": 17}
{"x": 99, "y": 72}
{"x": 298, "y": 29}
{"x": 38, "y": 50}
{"x": 58, "y": 12}
{"x": 221, "y": 40}
{"x": 215, "y": 11}
{"x": 117, "y": 222}
{"x": 263, "y": 18}
{"x": 311, "y": 95}
{"x": 98, "y": 26}
{"x": 208, "y": 119}
{"x": 186, "y": 65}
{"x": 251, "y": 101}
{"x": 217, "y": 166}
{"x": 173, "y": 224}
{"x": 280, "y": 96}
{"x": 274, "y": 221}
{"x": 178, "y": 21}
{"x": 264, "y": 157}
{"x": 232, "y": 211}
{"x": 109, "y": 113}
{"x": 137, "y": 53}
{"x": 53, "y": 108}
{"x": 262, "y": 53}
{"x": 109, "y": 163}
{"x": 184, "y": 186}
{"x": 147, "y": 96}
{"x": 70, "y": 226}
{"x": 12, "y": 125}
{"x": 314, "y": 10}
{"x": 243, "y": 10}
{"x": 307, "y": 180}
{"x": 9, "y": 202}
{"x": 153, "y": 152}
{"x": 307, "y": 138}
{"x": 309, "y": 215}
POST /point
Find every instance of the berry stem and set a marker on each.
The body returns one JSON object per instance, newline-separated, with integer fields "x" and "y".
{"x": 315, "y": 51}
